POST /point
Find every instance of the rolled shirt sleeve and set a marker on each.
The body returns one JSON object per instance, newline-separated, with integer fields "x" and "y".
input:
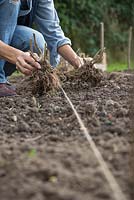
{"x": 47, "y": 22}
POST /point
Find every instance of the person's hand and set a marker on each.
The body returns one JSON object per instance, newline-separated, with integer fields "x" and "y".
{"x": 87, "y": 60}
{"x": 26, "y": 64}
{"x": 81, "y": 61}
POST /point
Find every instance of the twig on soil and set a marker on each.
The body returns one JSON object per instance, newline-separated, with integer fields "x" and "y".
{"x": 35, "y": 138}
{"x": 36, "y": 103}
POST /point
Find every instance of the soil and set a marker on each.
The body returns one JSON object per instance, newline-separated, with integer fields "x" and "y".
{"x": 44, "y": 154}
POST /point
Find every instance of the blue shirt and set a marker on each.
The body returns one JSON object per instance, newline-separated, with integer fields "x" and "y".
{"x": 44, "y": 15}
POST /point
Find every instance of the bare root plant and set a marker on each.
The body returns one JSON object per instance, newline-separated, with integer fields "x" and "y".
{"x": 87, "y": 73}
{"x": 45, "y": 79}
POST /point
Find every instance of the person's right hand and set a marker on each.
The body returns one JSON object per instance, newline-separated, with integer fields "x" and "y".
{"x": 26, "y": 64}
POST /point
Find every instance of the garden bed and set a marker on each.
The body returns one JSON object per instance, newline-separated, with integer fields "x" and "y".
{"x": 44, "y": 154}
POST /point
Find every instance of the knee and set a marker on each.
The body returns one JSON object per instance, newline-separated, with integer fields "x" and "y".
{"x": 22, "y": 37}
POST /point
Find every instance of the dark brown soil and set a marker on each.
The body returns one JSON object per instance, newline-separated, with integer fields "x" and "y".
{"x": 60, "y": 165}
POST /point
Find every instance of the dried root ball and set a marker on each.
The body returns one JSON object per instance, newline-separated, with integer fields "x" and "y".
{"x": 44, "y": 80}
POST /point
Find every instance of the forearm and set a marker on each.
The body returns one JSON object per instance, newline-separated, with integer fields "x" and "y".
{"x": 9, "y": 53}
{"x": 68, "y": 54}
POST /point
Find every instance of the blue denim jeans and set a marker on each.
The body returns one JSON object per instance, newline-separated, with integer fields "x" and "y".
{"x": 15, "y": 35}
{"x": 21, "y": 40}
{"x": 7, "y": 29}
{"x": 47, "y": 23}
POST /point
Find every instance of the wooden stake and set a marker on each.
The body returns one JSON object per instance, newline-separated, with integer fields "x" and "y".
{"x": 129, "y": 48}
{"x": 103, "y": 64}
{"x": 102, "y": 35}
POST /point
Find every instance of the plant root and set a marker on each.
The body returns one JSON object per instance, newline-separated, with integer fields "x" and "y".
{"x": 44, "y": 80}
{"x": 87, "y": 73}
